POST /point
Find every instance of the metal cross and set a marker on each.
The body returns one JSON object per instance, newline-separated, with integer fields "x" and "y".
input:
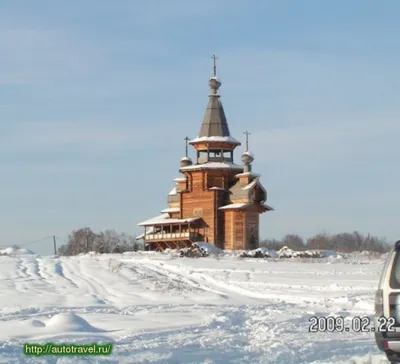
{"x": 186, "y": 148}
{"x": 247, "y": 139}
{"x": 214, "y": 58}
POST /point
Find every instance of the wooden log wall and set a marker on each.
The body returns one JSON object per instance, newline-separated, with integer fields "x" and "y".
{"x": 252, "y": 227}
{"x": 229, "y": 229}
{"x": 199, "y": 197}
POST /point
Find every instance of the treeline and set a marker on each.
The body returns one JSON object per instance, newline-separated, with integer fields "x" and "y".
{"x": 84, "y": 240}
{"x": 343, "y": 242}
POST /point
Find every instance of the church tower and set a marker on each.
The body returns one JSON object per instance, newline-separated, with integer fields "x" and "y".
{"x": 214, "y": 200}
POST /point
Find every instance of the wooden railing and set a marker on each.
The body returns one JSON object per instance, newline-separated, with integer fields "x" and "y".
{"x": 171, "y": 236}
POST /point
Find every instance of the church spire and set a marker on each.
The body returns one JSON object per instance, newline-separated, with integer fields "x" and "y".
{"x": 214, "y": 122}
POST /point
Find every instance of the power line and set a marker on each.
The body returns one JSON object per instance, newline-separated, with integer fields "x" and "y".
{"x": 63, "y": 240}
{"x": 33, "y": 242}
{"x": 36, "y": 241}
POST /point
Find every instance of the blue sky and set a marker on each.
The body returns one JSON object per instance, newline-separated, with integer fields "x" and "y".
{"x": 96, "y": 98}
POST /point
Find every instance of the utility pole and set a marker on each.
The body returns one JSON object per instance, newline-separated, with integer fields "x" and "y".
{"x": 55, "y": 245}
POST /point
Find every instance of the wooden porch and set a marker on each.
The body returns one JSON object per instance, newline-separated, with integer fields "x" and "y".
{"x": 177, "y": 234}
{"x": 160, "y": 246}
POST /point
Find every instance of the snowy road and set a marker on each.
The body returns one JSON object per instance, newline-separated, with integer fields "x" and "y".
{"x": 158, "y": 309}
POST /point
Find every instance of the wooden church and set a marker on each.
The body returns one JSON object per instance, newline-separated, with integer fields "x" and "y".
{"x": 214, "y": 200}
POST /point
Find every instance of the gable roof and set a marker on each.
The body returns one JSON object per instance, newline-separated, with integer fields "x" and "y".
{"x": 240, "y": 192}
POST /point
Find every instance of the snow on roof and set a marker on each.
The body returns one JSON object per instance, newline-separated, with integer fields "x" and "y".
{"x": 173, "y": 192}
{"x": 217, "y": 188}
{"x": 171, "y": 209}
{"x": 212, "y": 165}
{"x": 155, "y": 219}
{"x": 164, "y": 219}
{"x": 180, "y": 179}
{"x": 234, "y": 206}
{"x": 251, "y": 185}
{"x": 149, "y": 231}
{"x": 255, "y": 182}
{"x": 247, "y": 174}
{"x": 226, "y": 139}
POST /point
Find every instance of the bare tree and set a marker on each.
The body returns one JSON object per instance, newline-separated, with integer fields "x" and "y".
{"x": 294, "y": 242}
{"x": 319, "y": 241}
{"x": 271, "y": 244}
{"x": 85, "y": 240}
{"x": 80, "y": 241}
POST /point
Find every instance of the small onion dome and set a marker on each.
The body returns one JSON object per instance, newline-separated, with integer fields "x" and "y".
{"x": 247, "y": 157}
{"x": 186, "y": 161}
{"x": 214, "y": 83}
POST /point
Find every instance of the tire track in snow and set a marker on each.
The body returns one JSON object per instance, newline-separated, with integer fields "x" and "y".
{"x": 79, "y": 271}
{"x": 59, "y": 269}
{"x": 43, "y": 268}
{"x": 32, "y": 268}
{"x": 204, "y": 280}
{"x": 107, "y": 293}
{"x": 245, "y": 288}
{"x": 30, "y": 277}
{"x": 72, "y": 270}
{"x": 149, "y": 279}
{"x": 177, "y": 277}
{"x": 21, "y": 269}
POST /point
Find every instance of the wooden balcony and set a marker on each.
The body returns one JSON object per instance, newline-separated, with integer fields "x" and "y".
{"x": 164, "y": 236}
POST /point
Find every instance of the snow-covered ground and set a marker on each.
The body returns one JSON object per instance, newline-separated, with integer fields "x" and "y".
{"x": 158, "y": 308}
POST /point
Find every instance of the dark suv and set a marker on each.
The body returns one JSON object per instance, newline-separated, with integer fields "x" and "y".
{"x": 387, "y": 307}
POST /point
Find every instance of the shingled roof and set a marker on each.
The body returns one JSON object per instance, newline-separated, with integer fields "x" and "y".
{"x": 214, "y": 121}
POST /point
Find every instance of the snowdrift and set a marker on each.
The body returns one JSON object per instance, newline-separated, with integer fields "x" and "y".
{"x": 286, "y": 252}
{"x": 16, "y": 251}
{"x": 258, "y": 253}
{"x": 200, "y": 249}
{"x": 203, "y": 249}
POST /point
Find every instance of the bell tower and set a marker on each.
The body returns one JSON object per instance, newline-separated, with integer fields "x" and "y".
{"x": 214, "y": 143}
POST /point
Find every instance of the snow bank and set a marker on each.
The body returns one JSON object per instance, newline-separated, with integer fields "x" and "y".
{"x": 69, "y": 322}
{"x": 201, "y": 249}
{"x": 258, "y": 253}
{"x": 209, "y": 248}
{"x": 286, "y": 252}
{"x": 16, "y": 251}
